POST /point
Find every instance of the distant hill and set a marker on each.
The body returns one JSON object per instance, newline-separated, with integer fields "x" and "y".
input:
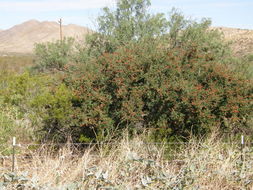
{"x": 241, "y": 39}
{"x": 21, "y": 38}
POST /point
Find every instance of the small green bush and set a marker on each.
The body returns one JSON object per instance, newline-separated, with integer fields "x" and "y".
{"x": 53, "y": 56}
{"x": 54, "y": 107}
{"x": 16, "y": 94}
{"x": 19, "y": 89}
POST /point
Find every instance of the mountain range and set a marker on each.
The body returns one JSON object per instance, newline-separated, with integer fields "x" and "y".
{"x": 241, "y": 40}
{"x": 21, "y": 38}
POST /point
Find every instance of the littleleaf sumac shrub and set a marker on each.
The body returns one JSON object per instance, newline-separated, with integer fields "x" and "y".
{"x": 142, "y": 71}
{"x": 167, "y": 91}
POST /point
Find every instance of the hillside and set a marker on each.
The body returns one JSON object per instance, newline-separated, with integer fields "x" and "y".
{"x": 241, "y": 40}
{"x": 21, "y": 38}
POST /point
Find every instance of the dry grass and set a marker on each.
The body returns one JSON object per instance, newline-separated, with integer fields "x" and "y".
{"x": 15, "y": 63}
{"x": 132, "y": 164}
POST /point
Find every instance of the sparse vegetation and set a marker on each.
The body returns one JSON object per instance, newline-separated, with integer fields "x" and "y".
{"x": 134, "y": 164}
{"x": 15, "y": 63}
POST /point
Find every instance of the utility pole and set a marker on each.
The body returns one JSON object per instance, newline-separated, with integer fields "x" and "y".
{"x": 60, "y": 22}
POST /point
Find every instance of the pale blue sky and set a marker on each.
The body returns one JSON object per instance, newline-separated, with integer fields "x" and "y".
{"x": 229, "y": 13}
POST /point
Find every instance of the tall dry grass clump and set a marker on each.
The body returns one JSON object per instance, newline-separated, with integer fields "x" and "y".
{"x": 134, "y": 164}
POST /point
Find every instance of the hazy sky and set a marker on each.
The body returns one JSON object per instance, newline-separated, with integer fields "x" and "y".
{"x": 230, "y": 13}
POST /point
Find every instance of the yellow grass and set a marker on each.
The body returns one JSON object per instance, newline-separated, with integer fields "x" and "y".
{"x": 133, "y": 164}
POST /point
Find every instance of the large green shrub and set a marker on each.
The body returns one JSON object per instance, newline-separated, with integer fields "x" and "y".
{"x": 172, "y": 77}
{"x": 172, "y": 92}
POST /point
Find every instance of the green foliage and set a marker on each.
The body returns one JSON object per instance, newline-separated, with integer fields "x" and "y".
{"x": 196, "y": 36}
{"x": 12, "y": 124}
{"x": 6, "y": 129}
{"x": 243, "y": 65}
{"x": 145, "y": 72}
{"x": 19, "y": 89}
{"x": 16, "y": 93}
{"x": 250, "y": 57}
{"x": 87, "y": 103}
{"x": 179, "y": 91}
{"x": 129, "y": 22}
{"x": 140, "y": 71}
{"x": 249, "y": 65}
{"x": 53, "y": 56}
{"x": 54, "y": 107}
